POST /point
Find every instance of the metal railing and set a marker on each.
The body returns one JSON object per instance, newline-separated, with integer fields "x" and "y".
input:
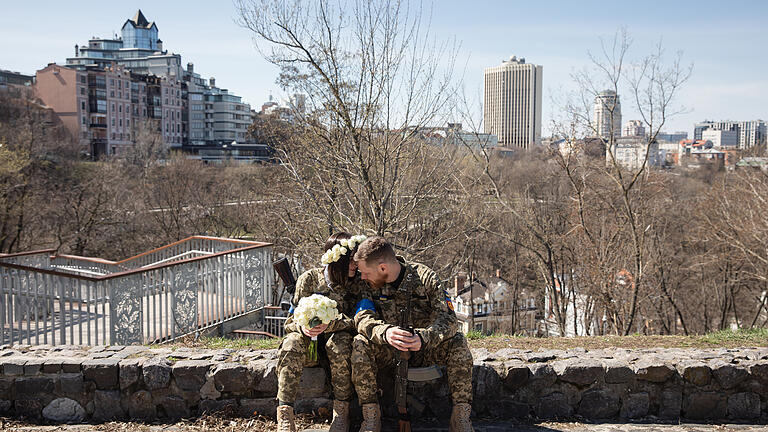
{"x": 153, "y": 297}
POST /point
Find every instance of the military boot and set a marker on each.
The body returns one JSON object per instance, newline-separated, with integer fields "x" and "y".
{"x": 285, "y": 422}
{"x": 340, "y": 422}
{"x": 371, "y": 418}
{"x": 460, "y": 418}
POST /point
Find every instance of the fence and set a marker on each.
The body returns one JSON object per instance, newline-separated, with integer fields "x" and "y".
{"x": 153, "y": 297}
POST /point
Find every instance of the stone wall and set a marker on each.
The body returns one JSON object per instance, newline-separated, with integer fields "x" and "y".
{"x": 72, "y": 384}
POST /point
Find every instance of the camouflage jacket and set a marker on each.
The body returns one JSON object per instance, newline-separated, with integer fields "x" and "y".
{"x": 432, "y": 313}
{"x": 314, "y": 282}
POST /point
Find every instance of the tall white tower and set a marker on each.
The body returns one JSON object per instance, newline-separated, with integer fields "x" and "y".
{"x": 608, "y": 114}
{"x": 512, "y": 103}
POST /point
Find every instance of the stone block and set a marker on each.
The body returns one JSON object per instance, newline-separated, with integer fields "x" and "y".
{"x": 704, "y": 406}
{"x": 174, "y": 407}
{"x": 262, "y": 406}
{"x": 33, "y": 366}
{"x": 29, "y": 408}
{"x": 729, "y": 375}
{"x": 696, "y": 373}
{"x": 190, "y": 375}
{"x": 552, "y": 406}
{"x": 313, "y": 383}
{"x": 670, "y": 405}
{"x": 635, "y": 405}
{"x": 516, "y": 377}
{"x": 742, "y": 406}
{"x": 71, "y": 364}
{"x": 598, "y": 404}
{"x": 71, "y": 384}
{"x": 107, "y": 406}
{"x": 486, "y": 383}
{"x": 759, "y": 371}
{"x": 6, "y": 387}
{"x": 265, "y": 377}
{"x": 52, "y": 365}
{"x": 232, "y": 378}
{"x": 129, "y": 372}
{"x": 654, "y": 371}
{"x": 542, "y": 376}
{"x": 617, "y": 372}
{"x": 5, "y": 407}
{"x": 104, "y": 373}
{"x": 64, "y": 410}
{"x": 34, "y": 387}
{"x": 581, "y": 373}
{"x": 156, "y": 373}
{"x": 14, "y": 366}
{"x": 141, "y": 406}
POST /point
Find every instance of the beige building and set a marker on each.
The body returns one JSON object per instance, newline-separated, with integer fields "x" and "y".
{"x": 512, "y": 102}
{"x": 608, "y": 115}
{"x": 634, "y": 128}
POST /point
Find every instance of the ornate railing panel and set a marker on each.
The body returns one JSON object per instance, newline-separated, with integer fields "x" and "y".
{"x": 193, "y": 284}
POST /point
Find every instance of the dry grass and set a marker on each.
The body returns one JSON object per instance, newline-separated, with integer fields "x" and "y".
{"x": 721, "y": 339}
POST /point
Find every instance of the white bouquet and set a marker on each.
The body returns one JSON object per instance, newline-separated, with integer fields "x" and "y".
{"x": 313, "y": 311}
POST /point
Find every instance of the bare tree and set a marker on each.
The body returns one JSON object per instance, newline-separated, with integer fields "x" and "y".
{"x": 361, "y": 156}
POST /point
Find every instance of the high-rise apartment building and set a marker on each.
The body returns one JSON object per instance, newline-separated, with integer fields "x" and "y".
{"x": 607, "y": 116}
{"x": 750, "y": 133}
{"x": 130, "y": 83}
{"x": 512, "y": 103}
{"x": 634, "y": 128}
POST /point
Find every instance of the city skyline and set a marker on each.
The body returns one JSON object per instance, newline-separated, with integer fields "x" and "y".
{"x": 555, "y": 36}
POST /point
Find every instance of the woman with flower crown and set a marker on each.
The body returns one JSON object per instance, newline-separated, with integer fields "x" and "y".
{"x": 339, "y": 281}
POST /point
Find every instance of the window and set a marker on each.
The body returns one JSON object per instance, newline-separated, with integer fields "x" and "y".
{"x": 113, "y": 107}
{"x": 82, "y": 105}
{"x": 83, "y": 120}
{"x": 127, "y": 122}
{"x": 113, "y": 124}
{"x": 120, "y": 108}
{"x": 82, "y": 79}
{"x": 82, "y": 90}
{"x": 112, "y": 81}
{"x": 111, "y": 93}
{"x": 120, "y": 122}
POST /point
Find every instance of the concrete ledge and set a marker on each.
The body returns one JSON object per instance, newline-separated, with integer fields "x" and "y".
{"x": 106, "y": 383}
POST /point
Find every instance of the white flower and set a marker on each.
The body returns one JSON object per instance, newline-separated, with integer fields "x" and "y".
{"x": 315, "y": 306}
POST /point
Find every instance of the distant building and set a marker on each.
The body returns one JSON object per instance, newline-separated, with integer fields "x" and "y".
{"x": 495, "y": 306}
{"x": 607, "y": 115}
{"x": 8, "y": 78}
{"x": 721, "y": 138}
{"x": 634, "y": 128}
{"x": 672, "y": 137}
{"x": 513, "y": 99}
{"x": 750, "y": 133}
{"x": 630, "y": 152}
{"x": 131, "y": 82}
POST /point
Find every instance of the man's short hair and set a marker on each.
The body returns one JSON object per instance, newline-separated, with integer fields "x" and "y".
{"x": 375, "y": 250}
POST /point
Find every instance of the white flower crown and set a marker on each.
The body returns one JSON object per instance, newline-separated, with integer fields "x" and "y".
{"x": 333, "y": 254}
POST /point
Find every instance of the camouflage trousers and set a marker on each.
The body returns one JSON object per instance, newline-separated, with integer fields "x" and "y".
{"x": 453, "y": 353}
{"x": 292, "y": 358}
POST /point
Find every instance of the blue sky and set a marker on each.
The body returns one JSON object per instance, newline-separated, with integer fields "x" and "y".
{"x": 727, "y": 42}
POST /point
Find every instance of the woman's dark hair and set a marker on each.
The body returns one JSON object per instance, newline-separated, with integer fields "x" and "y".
{"x": 339, "y": 270}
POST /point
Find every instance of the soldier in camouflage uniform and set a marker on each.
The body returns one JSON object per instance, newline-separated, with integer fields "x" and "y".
{"x": 436, "y": 339}
{"x": 338, "y": 281}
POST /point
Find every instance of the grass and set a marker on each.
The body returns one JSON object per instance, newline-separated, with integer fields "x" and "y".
{"x": 721, "y": 339}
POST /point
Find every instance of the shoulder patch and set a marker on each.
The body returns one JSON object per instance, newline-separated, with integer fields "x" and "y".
{"x": 363, "y": 305}
{"x": 448, "y": 300}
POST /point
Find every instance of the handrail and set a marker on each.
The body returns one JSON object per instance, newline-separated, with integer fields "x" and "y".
{"x": 256, "y": 245}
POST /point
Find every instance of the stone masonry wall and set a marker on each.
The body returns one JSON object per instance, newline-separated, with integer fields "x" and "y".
{"x": 73, "y": 384}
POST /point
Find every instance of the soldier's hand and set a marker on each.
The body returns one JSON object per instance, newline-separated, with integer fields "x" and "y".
{"x": 403, "y": 340}
{"x": 314, "y": 331}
